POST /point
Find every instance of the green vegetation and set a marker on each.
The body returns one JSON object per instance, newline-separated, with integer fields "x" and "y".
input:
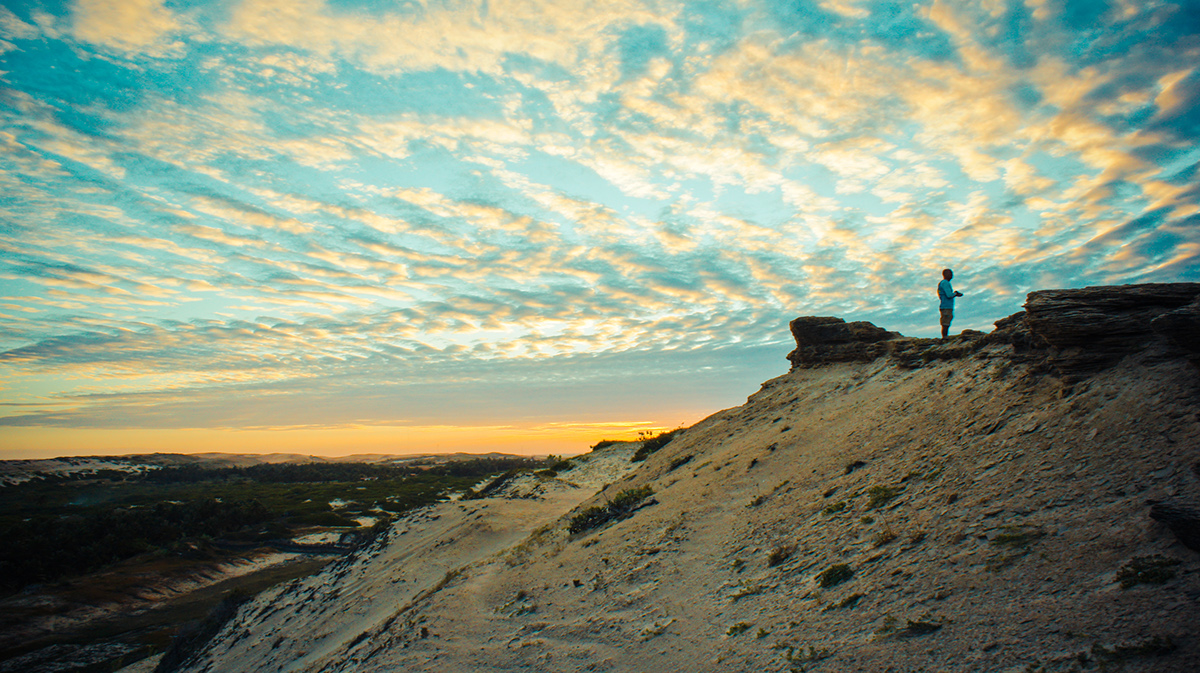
{"x": 738, "y": 629}
{"x": 834, "y": 575}
{"x": 54, "y": 528}
{"x": 881, "y": 495}
{"x": 883, "y": 537}
{"x": 44, "y": 548}
{"x": 835, "y": 507}
{"x": 746, "y": 589}
{"x": 556, "y": 467}
{"x": 1156, "y": 569}
{"x": 799, "y": 655}
{"x": 652, "y": 444}
{"x": 620, "y": 507}
{"x": 1014, "y": 542}
{"x": 492, "y": 486}
{"x": 928, "y": 475}
{"x": 679, "y": 462}
{"x": 1017, "y": 536}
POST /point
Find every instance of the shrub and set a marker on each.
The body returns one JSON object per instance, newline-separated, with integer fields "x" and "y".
{"x": 620, "y": 507}
{"x": 1017, "y": 536}
{"x": 1156, "y": 569}
{"x": 492, "y": 486}
{"x": 881, "y": 495}
{"x": 919, "y": 628}
{"x": 738, "y": 629}
{"x": 561, "y": 466}
{"x": 884, "y": 537}
{"x": 679, "y": 462}
{"x": 653, "y": 444}
{"x": 627, "y": 500}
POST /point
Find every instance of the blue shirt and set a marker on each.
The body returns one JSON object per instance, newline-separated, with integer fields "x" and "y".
{"x": 946, "y": 295}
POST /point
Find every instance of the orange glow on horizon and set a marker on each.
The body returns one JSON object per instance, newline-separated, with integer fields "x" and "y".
{"x": 558, "y": 438}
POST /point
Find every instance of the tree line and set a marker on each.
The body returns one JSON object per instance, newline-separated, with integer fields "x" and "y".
{"x": 45, "y": 548}
{"x": 290, "y": 473}
{"x": 49, "y": 532}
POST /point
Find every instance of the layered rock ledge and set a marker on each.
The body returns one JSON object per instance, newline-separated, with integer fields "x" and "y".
{"x": 1075, "y": 332}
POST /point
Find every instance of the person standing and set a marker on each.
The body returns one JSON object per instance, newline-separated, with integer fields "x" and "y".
{"x": 946, "y": 295}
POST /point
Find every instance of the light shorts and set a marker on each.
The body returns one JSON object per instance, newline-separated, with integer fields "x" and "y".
{"x": 947, "y": 316}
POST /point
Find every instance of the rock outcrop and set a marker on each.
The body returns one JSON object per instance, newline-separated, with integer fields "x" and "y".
{"x": 1181, "y": 327}
{"x": 1074, "y": 333}
{"x": 821, "y": 340}
{"x": 1088, "y": 329}
{"x": 1183, "y": 520}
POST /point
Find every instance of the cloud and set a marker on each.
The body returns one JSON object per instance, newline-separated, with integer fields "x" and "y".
{"x": 13, "y": 28}
{"x": 364, "y": 212}
{"x": 455, "y": 35}
{"x": 133, "y": 27}
{"x": 245, "y": 215}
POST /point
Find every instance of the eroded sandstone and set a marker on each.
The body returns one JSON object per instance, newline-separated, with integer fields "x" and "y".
{"x": 1074, "y": 333}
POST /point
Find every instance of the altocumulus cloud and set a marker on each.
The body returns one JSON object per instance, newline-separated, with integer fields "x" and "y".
{"x": 281, "y": 214}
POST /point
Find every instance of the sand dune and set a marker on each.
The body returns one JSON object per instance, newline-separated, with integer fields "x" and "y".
{"x": 958, "y": 512}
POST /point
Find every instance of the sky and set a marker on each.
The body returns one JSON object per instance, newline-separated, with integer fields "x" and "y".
{"x": 348, "y": 226}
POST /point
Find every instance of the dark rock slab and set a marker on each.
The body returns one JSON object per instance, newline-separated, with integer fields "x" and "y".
{"x": 1087, "y": 329}
{"x": 1181, "y": 327}
{"x": 823, "y": 340}
{"x": 1182, "y": 519}
{"x": 1071, "y": 333}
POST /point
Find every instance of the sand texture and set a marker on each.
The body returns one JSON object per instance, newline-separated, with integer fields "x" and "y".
{"x": 962, "y": 513}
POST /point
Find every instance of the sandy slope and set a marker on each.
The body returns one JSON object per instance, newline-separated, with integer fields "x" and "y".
{"x": 301, "y": 625}
{"x": 1015, "y": 504}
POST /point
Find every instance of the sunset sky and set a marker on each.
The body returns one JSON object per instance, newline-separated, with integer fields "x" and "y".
{"x": 347, "y": 226}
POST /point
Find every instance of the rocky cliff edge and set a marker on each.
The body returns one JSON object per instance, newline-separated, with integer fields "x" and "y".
{"x": 1073, "y": 333}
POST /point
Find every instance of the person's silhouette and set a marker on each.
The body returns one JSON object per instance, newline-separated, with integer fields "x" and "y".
{"x": 946, "y": 295}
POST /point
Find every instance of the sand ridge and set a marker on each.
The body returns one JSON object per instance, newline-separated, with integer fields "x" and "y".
{"x": 984, "y": 514}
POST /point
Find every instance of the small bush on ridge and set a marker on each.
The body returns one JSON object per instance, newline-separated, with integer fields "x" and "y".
{"x": 619, "y": 507}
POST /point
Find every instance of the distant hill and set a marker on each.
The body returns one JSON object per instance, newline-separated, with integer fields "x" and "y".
{"x": 17, "y": 471}
{"x": 1013, "y": 501}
